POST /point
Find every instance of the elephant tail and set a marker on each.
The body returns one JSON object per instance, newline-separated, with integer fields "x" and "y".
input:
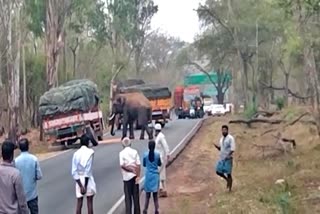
{"x": 149, "y": 114}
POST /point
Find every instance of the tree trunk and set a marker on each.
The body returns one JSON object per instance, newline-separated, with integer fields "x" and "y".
{"x": 24, "y": 79}
{"x": 1, "y": 83}
{"x": 310, "y": 68}
{"x": 53, "y": 42}
{"x": 220, "y": 96}
{"x": 13, "y": 70}
{"x": 74, "y": 54}
{"x": 65, "y": 62}
{"x": 286, "y": 88}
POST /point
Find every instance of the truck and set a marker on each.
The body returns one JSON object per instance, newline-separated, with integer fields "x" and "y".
{"x": 160, "y": 100}
{"x": 188, "y": 102}
{"x": 70, "y": 110}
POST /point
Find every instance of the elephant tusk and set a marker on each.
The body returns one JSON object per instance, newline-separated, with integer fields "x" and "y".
{"x": 112, "y": 117}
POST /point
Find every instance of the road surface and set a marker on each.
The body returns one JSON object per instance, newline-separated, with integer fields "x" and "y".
{"x": 57, "y": 189}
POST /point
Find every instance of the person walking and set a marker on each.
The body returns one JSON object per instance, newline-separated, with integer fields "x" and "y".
{"x": 30, "y": 170}
{"x": 81, "y": 171}
{"x": 226, "y": 147}
{"x": 163, "y": 149}
{"x": 130, "y": 168}
{"x": 151, "y": 162}
{"x": 12, "y": 197}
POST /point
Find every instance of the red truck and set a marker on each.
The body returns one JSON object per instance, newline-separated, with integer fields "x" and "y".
{"x": 187, "y": 102}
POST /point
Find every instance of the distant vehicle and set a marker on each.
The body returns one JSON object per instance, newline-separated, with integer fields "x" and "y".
{"x": 207, "y": 105}
{"x": 218, "y": 110}
{"x": 188, "y": 103}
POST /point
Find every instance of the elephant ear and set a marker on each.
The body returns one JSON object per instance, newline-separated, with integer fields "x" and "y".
{"x": 121, "y": 100}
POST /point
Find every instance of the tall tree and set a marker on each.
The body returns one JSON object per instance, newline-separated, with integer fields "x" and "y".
{"x": 10, "y": 15}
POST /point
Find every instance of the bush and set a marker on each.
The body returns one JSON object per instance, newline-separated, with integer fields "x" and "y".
{"x": 280, "y": 103}
{"x": 251, "y": 110}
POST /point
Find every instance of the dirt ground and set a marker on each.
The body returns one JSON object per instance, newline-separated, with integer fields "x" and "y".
{"x": 195, "y": 189}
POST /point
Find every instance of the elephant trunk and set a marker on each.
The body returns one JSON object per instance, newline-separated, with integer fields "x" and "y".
{"x": 112, "y": 118}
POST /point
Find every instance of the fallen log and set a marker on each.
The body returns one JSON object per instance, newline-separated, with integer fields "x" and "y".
{"x": 263, "y": 114}
{"x": 256, "y": 120}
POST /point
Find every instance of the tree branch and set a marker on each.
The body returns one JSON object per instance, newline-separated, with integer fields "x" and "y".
{"x": 204, "y": 71}
{"x": 215, "y": 17}
{"x": 283, "y": 88}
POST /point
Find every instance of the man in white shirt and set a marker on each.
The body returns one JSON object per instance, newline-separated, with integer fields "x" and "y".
{"x": 162, "y": 148}
{"x": 82, "y": 173}
{"x": 130, "y": 168}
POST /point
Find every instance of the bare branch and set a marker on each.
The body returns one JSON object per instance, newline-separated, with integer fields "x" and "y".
{"x": 215, "y": 17}
{"x": 283, "y": 88}
{"x": 204, "y": 71}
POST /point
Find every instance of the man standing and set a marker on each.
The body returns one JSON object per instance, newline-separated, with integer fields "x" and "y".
{"x": 130, "y": 168}
{"x": 226, "y": 147}
{"x": 29, "y": 168}
{"x": 163, "y": 149}
{"x": 82, "y": 174}
{"x": 12, "y": 198}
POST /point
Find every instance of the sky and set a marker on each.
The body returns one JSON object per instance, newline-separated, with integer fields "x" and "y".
{"x": 177, "y": 18}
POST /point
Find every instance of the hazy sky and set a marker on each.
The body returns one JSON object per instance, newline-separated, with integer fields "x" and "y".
{"x": 177, "y": 18}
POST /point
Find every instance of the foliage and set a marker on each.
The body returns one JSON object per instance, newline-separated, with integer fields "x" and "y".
{"x": 35, "y": 69}
{"x": 250, "y": 110}
{"x": 280, "y": 103}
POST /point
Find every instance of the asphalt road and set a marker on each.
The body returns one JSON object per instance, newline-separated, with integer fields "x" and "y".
{"x": 57, "y": 189}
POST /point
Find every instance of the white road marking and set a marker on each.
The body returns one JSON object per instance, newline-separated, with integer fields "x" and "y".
{"x": 55, "y": 155}
{"x": 121, "y": 199}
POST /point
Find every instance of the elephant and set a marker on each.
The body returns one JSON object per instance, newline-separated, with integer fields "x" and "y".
{"x": 133, "y": 106}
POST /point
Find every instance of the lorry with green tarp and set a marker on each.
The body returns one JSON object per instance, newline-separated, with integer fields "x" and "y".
{"x": 69, "y": 110}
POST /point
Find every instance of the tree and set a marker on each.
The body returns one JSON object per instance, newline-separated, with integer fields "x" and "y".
{"x": 10, "y": 16}
{"x": 160, "y": 51}
{"x": 144, "y": 11}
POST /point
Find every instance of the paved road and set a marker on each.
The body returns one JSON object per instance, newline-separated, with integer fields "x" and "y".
{"x": 57, "y": 189}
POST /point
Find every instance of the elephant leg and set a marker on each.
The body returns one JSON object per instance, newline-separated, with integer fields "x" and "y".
{"x": 149, "y": 132}
{"x": 131, "y": 132}
{"x": 124, "y": 127}
{"x": 142, "y": 132}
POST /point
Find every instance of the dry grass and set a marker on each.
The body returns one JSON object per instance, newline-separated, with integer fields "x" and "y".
{"x": 195, "y": 188}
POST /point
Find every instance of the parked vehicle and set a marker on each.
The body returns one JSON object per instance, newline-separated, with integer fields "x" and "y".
{"x": 70, "y": 109}
{"x": 207, "y": 105}
{"x": 218, "y": 110}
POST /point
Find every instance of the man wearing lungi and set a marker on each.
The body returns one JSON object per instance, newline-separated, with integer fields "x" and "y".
{"x": 226, "y": 147}
{"x": 163, "y": 149}
{"x": 82, "y": 173}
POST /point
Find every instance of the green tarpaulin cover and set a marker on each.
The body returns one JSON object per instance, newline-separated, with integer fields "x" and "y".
{"x": 74, "y": 95}
{"x": 151, "y": 91}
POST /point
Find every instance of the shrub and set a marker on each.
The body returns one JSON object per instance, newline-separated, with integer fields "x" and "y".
{"x": 280, "y": 103}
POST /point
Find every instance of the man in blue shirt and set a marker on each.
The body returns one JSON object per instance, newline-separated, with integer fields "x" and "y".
{"x": 29, "y": 167}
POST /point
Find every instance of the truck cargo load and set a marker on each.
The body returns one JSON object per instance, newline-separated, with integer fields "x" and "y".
{"x": 151, "y": 91}
{"x": 76, "y": 95}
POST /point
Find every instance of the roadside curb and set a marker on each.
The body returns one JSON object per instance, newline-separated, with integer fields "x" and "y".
{"x": 119, "y": 206}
